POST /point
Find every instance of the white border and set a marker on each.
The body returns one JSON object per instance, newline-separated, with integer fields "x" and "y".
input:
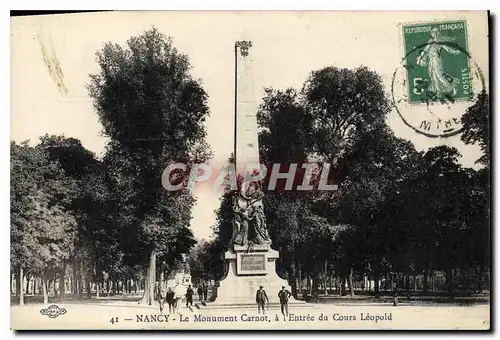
{"x": 212, "y": 5}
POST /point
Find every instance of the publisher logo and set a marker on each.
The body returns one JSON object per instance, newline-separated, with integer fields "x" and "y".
{"x": 53, "y": 311}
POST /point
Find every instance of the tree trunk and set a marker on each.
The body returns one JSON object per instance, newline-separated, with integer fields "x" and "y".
{"x": 35, "y": 285}
{"x": 74, "y": 279}
{"x": 45, "y": 291}
{"x": 28, "y": 279}
{"x": 407, "y": 282}
{"x": 376, "y": 279}
{"x": 18, "y": 284}
{"x": 479, "y": 279}
{"x": 21, "y": 292}
{"x": 342, "y": 285}
{"x": 292, "y": 278}
{"x": 325, "y": 275}
{"x": 149, "y": 280}
{"x": 299, "y": 272}
{"x": 53, "y": 285}
{"x": 97, "y": 289}
{"x": 426, "y": 278}
{"x": 330, "y": 282}
{"x": 88, "y": 288}
{"x": 449, "y": 281}
{"x": 349, "y": 282}
{"x": 80, "y": 279}
{"x": 62, "y": 285}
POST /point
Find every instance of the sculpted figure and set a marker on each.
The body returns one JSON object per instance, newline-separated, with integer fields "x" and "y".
{"x": 250, "y": 223}
{"x": 440, "y": 82}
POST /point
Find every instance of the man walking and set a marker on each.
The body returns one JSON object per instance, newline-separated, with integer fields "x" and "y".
{"x": 283, "y": 295}
{"x": 395, "y": 294}
{"x": 189, "y": 296}
{"x": 261, "y": 299}
{"x": 200, "y": 293}
{"x": 205, "y": 292}
{"x": 171, "y": 300}
{"x": 161, "y": 295}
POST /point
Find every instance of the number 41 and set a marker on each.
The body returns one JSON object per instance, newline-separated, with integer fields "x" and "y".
{"x": 113, "y": 320}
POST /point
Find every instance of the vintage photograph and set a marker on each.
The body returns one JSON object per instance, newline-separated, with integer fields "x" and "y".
{"x": 250, "y": 170}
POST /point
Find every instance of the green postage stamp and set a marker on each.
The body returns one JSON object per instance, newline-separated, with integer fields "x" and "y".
{"x": 437, "y": 62}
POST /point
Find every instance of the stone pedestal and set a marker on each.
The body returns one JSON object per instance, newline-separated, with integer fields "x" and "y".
{"x": 247, "y": 270}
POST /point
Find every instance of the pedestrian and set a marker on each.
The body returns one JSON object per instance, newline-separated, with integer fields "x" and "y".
{"x": 205, "y": 292}
{"x": 200, "y": 293}
{"x": 171, "y": 300}
{"x": 179, "y": 292}
{"x": 161, "y": 296}
{"x": 283, "y": 296}
{"x": 189, "y": 296}
{"x": 395, "y": 294}
{"x": 261, "y": 299}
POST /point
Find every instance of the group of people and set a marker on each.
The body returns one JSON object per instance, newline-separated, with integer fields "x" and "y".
{"x": 169, "y": 295}
{"x": 262, "y": 299}
{"x": 172, "y": 298}
{"x": 203, "y": 292}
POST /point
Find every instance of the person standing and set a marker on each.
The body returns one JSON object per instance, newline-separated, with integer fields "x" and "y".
{"x": 283, "y": 295}
{"x": 171, "y": 300}
{"x": 161, "y": 295}
{"x": 395, "y": 294}
{"x": 205, "y": 292}
{"x": 261, "y": 299}
{"x": 189, "y": 296}
{"x": 200, "y": 293}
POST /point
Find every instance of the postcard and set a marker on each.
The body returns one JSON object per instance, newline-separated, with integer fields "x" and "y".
{"x": 295, "y": 170}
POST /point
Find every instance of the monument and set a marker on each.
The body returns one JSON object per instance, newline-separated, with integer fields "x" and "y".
{"x": 250, "y": 262}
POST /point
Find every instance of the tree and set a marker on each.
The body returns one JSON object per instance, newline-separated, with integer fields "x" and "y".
{"x": 43, "y": 226}
{"x": 376, "y": 169}
{"x": 476, "y": 126}
{"x": 97, "y": 241}
{"x": 344, "y": 104}
{"x": 476, "y": 122}
{"x": 153, "y": 111}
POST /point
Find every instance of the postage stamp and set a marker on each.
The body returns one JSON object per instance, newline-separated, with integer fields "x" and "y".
{"x": 440, "y": 72}
{"x": 437, "y": 80}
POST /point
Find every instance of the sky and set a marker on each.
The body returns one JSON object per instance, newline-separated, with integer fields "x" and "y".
{"x": 287, "y": 46}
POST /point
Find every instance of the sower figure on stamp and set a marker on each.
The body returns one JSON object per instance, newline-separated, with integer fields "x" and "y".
{"x": 283, "y": 295}
{"x": 440, "y": 82}
{"x": 261, "y": 299}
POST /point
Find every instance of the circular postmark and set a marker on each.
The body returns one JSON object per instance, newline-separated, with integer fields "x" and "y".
{"x": 435, "y": 83}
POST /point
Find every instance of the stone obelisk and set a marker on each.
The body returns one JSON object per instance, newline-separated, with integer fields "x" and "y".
{"x": 250, "y": 262}
{"x": 246, "y": 148}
